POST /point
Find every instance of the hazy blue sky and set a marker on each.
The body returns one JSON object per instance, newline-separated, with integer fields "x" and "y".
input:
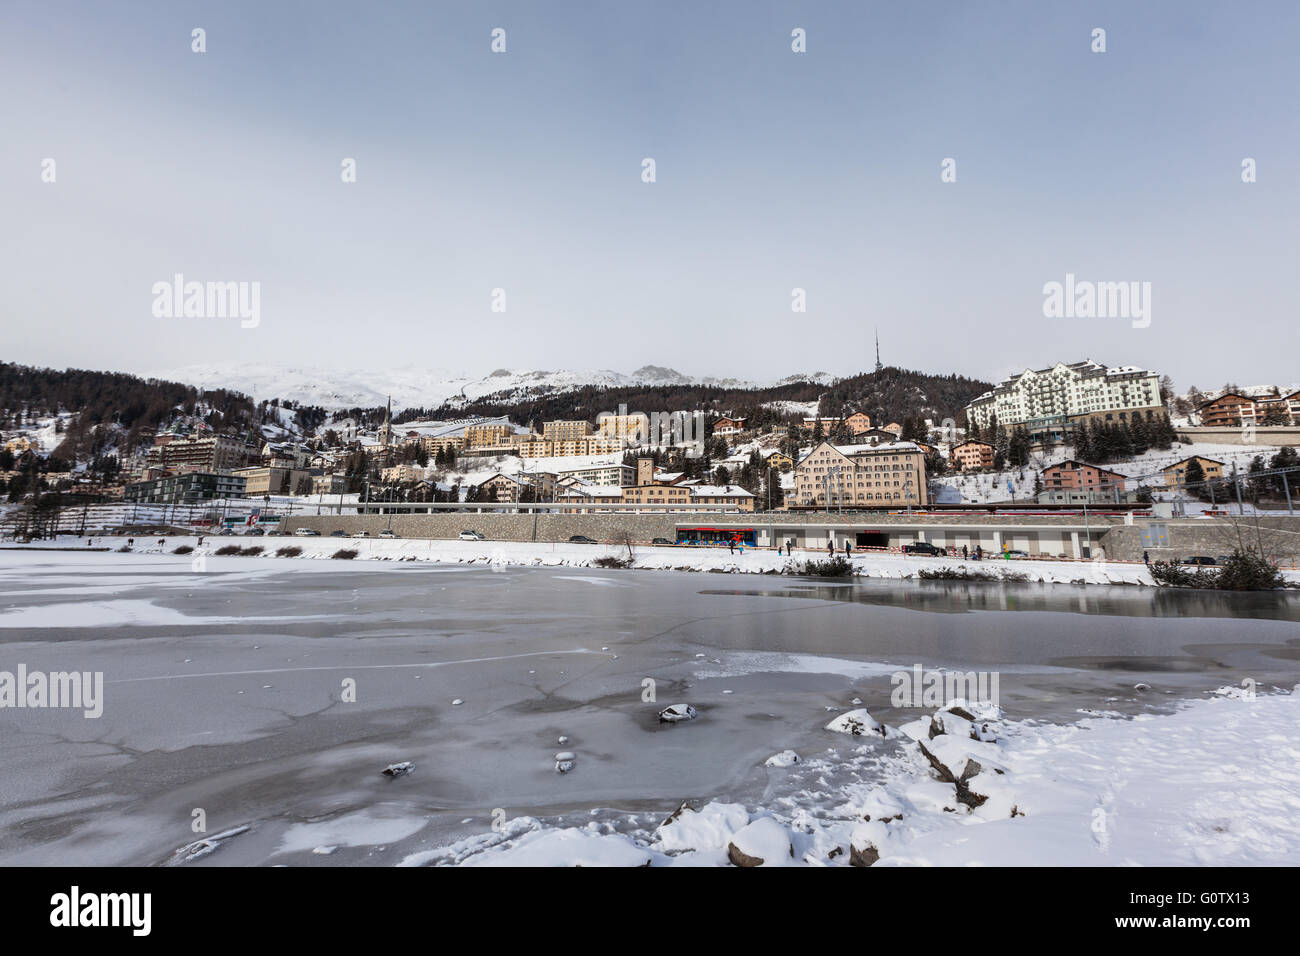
{"x": 775, "y": 170}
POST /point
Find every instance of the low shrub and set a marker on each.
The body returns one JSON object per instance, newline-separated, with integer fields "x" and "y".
{"x": 610, "y": 561}
{"x": 1242, "y": 571}
{"x": 289, "y": 552}
{"x": 344, "y": 554}
{"x": 183, "y": 549}
{"x": 999, "y": 576}
{"x": 252, "y": 551}
{"x": 227, "y": 550}
{"x": 836, "y": 567}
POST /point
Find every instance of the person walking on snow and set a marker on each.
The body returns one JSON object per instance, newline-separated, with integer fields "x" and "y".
{"x": 1146, "y": 559}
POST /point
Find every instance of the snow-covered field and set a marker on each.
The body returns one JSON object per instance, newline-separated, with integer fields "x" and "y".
{"x": 505, "y": 554}
{"x": 1216, "y": 783}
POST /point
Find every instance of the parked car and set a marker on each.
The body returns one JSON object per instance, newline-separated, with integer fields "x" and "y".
{"x": 304, "y": 533}
{"x": 1199, "y": 559}
{"x": 388, "y": 533}
{"x": 924, "y": 547}
{"x": 338, "y": 534}
{"x": 227, "y": 532}
{"x": 360, "y": 534}
{"x": 581, "y": 539}
{"x": 470, "y": 536}
{"x": 1015, "y": 553}
{"x": 257, "y": 532}
{"x": 662, "y": 541}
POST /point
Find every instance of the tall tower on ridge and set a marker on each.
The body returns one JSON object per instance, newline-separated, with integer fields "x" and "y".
{"x": 878, "y": 365}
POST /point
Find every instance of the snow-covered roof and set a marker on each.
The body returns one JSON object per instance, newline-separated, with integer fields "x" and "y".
{"x": 716, "y": 491}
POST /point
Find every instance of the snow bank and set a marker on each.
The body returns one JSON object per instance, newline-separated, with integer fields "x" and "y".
{"x": 1215, "y": 783}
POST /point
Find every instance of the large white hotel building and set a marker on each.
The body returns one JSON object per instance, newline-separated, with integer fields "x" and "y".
{"x": 1048, "y": 401}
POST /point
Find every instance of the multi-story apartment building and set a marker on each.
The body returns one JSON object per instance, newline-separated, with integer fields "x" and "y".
{"x": 858, "y": 423}
{"x": 971, "y": 455}
{"x": 211, "y": 453}
{"x": 664, "y": 490}
{"x": 562, "y": 431}
{"x": 436, "y": 443}
{"x": 331, "y": 484}
{"x": 1176, "y": 474}
{"x": 1047, "y": 402}
{"x": 487, "y": 435}
{"x": 592, "y": 469}
{"x": 189, "y": 488}
{"x": 1080, "y": 476}
{"x": 625, "y": 428}
{"x": 728, "y": 426}
{"x": 273, "y": 480}
{"x": 882, "y": 475}
{"x": 402, "y": 474}
{"x": 1232, "y": 409}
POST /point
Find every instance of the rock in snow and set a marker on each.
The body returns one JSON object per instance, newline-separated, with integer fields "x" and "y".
{"x": 859, "y": 723}
{"x": 865, "y": 843}
{"x": 564, "y": 761}
{"x": 675, "y": 712}
{"x": 785, "y": 758}
{"x": 398, "y": 769}
{"x": 762, "y": 843}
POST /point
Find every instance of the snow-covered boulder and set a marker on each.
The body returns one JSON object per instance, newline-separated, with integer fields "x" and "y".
{"x": 865, "y": 843}
{"x": 762, "y": 843}
{"x": 677, "y": 712}
{"x": 564, "y": 761}
{"x": 709, "y": 828}
{"x": 786, "y": 758}
{"x": 398, "y": 769}
{"x": 859, "y": 723}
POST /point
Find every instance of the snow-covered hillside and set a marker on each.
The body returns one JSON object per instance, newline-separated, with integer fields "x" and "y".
{"x": 334, "y": 388}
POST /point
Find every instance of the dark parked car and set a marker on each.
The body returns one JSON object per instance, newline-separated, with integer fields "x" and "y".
{"x": 255, "y": 531}
{"x": 581, "y": 539}
{"x": 338, "y": 534}
{"x": 1199, "y": 559}
{"x": 661, "y": 541}
{"x": 225, "y": 532}
{"x": 924, "y": 547}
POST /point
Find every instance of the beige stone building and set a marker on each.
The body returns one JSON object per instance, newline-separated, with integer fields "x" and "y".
{"x": 562, "y": 431}
{"x": 487, "y": 436}
{"x": 971, "y": 455}
{"x": 270, "y": 480}
{"x": 1176, "y": 474}
{"x": 883, "y": 475}
{"x": 626, "y": 428}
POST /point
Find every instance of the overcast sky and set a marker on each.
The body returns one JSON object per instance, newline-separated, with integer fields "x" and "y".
{"x": 775, "y": 170}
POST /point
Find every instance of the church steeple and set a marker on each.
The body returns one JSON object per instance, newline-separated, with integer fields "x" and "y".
{"x": 386, "y": 433}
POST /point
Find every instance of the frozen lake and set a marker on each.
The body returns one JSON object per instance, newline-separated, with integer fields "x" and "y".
{"x": 224, "y": 690}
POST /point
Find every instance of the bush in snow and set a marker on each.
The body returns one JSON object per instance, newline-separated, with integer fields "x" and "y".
{"x": 344, "y": 554}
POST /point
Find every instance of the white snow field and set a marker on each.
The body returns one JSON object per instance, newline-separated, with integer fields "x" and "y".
{"x": 1216, "y": 783}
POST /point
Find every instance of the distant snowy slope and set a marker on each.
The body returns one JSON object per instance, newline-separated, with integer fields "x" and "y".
{"x": 366, "y": 388}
